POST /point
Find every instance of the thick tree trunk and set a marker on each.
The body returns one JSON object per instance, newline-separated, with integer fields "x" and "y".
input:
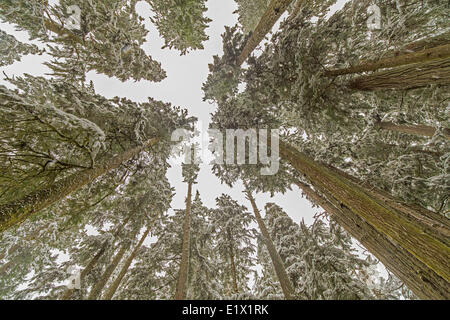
{"x": 417, "y": 46}
{"x": 109, "y": 293}
{"x": 98, "y": 287}
{"x": 274, "y": 11}
{"x": 406, "y": 77}
{"x": 92, "y": 263}
{"x": 418, "y": 130}
{"x": 278, "y": 264}
{"x": 421, "y": 234}
{"x": 180, "y": 292}
{"x": 233, "y": 265}
{"x": 15, "y": 212}
{"x": 440, "y": 52}
{"x": 401, "y": 263}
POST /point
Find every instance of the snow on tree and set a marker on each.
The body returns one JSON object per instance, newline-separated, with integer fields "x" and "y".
{"x": 12, "y": 50}
{"x": 233, "y": 244}
{"x": 79, "y": 132}
{"x": 109, "y": 29}
{"x": 182, "y": 24}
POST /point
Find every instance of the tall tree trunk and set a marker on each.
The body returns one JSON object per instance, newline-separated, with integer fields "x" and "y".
{"x": 233, "y": 265}
{"x": 100, "y": 284}
{"x": 274, "y": 11}
{"x": 420, "y": 233}
{"x": 93, "y": 262}
{"x": 109, "y": 293}
{"x": 180, "y": 292}
{"x": 440, "y": 52}
{"x": 400, "y": 262}
{"x": 406, "y": 77}
{"x": 417, "y": 46}
{"x": 418, "y": 130}
{"x": 15, "y": 212}
{"x": 278, "y": 264}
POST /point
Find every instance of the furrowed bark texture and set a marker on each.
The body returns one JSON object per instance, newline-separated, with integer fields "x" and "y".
{"x": 414, "y": 274}
{"x": 417, "y": 232}
{"x": 440, "y": 52}
{"x": 411, "y": 76}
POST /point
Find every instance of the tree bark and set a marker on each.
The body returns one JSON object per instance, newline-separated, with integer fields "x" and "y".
{"x": 274, "y": 11}
{"x": 414, "y": 274}
{"x": 233, "y": 265}
{"x": 420, "y": 233}
{"x": 280, "y": 270}
{"x": 180, "y": 292}
{"x": 440, "y": 52}
{"x": 113, "y": 287}
{"x": 69, "y": 292}
{"x": 98, "y": 287}
{"x": 15, "y": 212}
{"x": 411, "y": 76}
{"x": 416, "y": 46}
{"x": 418, "y": 130}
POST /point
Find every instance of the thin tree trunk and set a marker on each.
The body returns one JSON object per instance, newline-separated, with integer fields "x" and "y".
{"x": 180, "y": 292}
{"x": 401, "y": 263}
{"x": 62, "y": 32}
{"x": 92, "y": 263}
{"x": 420, "y": 233}
{"x": 418, "y": 130}
{"x": 440, "y": 52}
{"x": 15, "y": 212}
{"x": 109, "y": 293}
{"x": 274, "y": 11}
{"x": 406, "y": 77}
{"x": 278, "y": 264}
{"x": 100, "y": 284}
{"x": 233, "y": 265}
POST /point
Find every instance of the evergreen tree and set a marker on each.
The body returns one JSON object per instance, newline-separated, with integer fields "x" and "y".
{"x": 233, "y": 244}
{"x": 11, "y": 50}
{"x": 182, "y": 24}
